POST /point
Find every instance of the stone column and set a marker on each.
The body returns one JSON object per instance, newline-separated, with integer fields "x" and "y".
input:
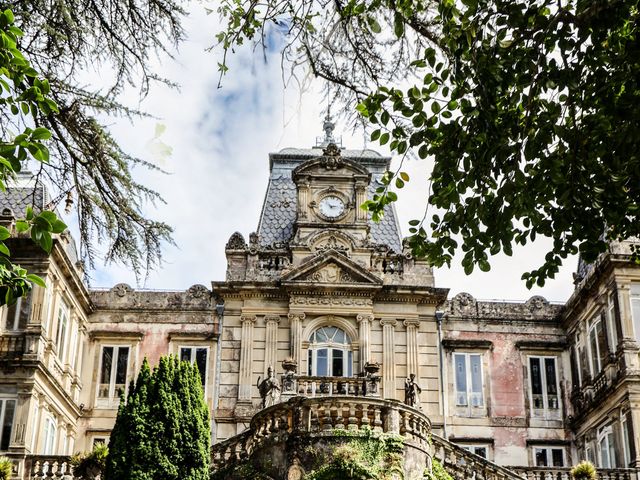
{"x": 246, "y": 357}
{"x": 625, "y": 312}
{"x": 388, "y": 357}
{"x": 21, "y": 427}
{"x": 364, "y": 333}
{"x": 271, "y": 342}
{"x": 361, "y": 197}
{"x": 413, "y": 362}
{"x": 295, "y": 328}
{"x": 303, "y": 199}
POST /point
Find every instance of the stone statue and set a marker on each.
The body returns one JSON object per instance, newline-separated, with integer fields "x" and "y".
{"x": 269, "y": 389}
{"x": 412, "y": 391}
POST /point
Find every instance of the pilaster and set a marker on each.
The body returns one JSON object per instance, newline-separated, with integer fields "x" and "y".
{"x": 413, "y": 363}
{"x": 364, "y": 334}
{"x": 271, "y": 342}
{"x": 295, "y": 328}
{"x": 388, "y": 357}
{"x": 246, "y": 357}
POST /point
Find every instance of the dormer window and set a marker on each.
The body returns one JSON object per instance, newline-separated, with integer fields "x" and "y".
{"x": 330, "y": 353}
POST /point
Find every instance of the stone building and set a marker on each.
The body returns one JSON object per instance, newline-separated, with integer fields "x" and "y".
{"x": 338, "y": 308}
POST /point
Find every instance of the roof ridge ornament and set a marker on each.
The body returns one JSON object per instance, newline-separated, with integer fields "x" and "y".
{"x": 328, "y": 126}
{"x": 331, "y": 158}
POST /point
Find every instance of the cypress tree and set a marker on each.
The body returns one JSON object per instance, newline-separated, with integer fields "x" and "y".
{"x": 162, "y": 431}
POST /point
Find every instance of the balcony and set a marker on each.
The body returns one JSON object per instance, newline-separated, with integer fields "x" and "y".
{"x": 48, "y": 466}
{"x": 305, "y": 423}
{"x": 313, "y": 386}
{"x": 12, "y": 345}
{"x": 556, "y": 473}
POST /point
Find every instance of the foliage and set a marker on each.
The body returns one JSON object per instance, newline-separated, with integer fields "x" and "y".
{"x": 584, "y": 471}
{"x": 366, "y": 455}
{"x": 67, "y": 39}
{"x": 437, "y": 471}
{"x": 529, "y": 111}
{"x": 88, "y": 465}
{"x": 162, "y": 430}
{"x": 239, "y": 472}
{"x": 23, "y": 94}
{"x": 6, "y": 468}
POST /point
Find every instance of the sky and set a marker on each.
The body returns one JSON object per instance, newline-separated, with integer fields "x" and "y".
{"x": 214, "y": 142}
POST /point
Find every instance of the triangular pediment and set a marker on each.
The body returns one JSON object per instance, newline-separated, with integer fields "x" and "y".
{"x": 331, "y": 268}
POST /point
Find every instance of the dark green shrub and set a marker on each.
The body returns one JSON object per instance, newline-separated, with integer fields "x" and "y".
{"x": 6, "y": 467}
{"x": 437, "y": 471}
{"x": 162, "y": 431}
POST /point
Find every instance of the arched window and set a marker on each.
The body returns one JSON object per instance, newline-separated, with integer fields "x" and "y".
{"x": 330, "y": 353}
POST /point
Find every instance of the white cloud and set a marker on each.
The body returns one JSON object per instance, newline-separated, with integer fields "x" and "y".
{"x": 220, "y": 140}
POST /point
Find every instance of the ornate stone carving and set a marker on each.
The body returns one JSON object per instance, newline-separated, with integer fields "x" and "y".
{"x": 411, "y": 322}
{"x": 236, "y": 242}
{"x": 272, "y": 319}
{"x": 364, "y": 317}
{"x": 537, "y": 307}
{"x": 332, "y": 244}
{"x": 294, "y": 315}
{"x": 331, "y": 273}
{"x": 388, "y": 321}
{"x": 331, "y": 159}
{"x": 198, "y": 291}
{"x": 463, "y": 303}
{"x": 331, "y": 300}
{"x": 122, "y": 289}
{"x": 247, "y": 318}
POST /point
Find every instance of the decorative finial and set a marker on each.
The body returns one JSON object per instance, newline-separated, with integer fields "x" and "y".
{"x": 328, "y": 126}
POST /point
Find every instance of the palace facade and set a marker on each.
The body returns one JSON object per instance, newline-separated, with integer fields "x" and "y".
{"x": 339, "y": 308}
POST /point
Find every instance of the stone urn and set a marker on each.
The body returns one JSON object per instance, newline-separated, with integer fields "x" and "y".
{"x": 290, "y": 366}
{"x": 371, "y": 368}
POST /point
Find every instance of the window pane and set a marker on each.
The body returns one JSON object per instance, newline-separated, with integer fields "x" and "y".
{"x": 557, "y": 457}
{"x": 321, "y": 335}
{"x": 185, "y": 354}
{"x": 602, "y": 344}
{"x": 105, "y": 374}
{"x": 337, "y": 363}
{"x": 625, "y": 442}
{"x": 201, "y": 363}
{"x": 339, "y": 337}
{"x": 635, "y": 313}
{"x": 461, "y": 379}
{"x": 541, "y": 457}
{"x": 121, "y": 371}
{"x": 5, "y": 433}
{"x": 612, "y": 451}
{"x": 604, "y": 453}
{"x": 536, "y": 377}
{"x": 321, "y": 368}
{"x": 482, "y": 451}
{"x": 552, "y": 386}
{"x": 476, "y": 380}
{"x": 310, "y": 362}
{"x": 595, "y": 360}
{"x": 350, "y": 364}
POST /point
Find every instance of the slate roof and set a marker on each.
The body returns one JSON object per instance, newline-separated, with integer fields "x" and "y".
{"x": 279, "y": 208}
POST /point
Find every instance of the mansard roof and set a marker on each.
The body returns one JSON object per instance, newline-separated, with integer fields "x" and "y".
{"x": 279, "y": 208}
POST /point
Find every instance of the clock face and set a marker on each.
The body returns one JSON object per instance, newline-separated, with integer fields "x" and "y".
{"x": 331, "y": 206}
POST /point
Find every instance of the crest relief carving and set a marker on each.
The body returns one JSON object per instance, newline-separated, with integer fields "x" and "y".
{"x": 330, "y": 273}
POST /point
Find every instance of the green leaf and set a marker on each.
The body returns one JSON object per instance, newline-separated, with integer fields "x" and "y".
{"x": 35, "y": 279}
{"x": 22, "y": 226}
{"x": 373, "y": 24}
{"x": 41, "y": 133}
{"x": 4, "y": 249}
{"x": 4, "y": 233}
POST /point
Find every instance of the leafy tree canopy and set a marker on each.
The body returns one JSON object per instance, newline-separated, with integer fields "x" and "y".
{"x": 529, "y": 109}
{"x": 63, "y": 40}
{"x": 23, "y": 94}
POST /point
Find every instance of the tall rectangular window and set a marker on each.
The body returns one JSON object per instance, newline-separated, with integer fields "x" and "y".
{"x": 61, "y": 334}
{"x": 543, "y": 380}
{"x": 548, "y": 456}
{"x": 50, "y": 430}
{"x": 7, "y": 411}
{"x": 113, "y": 371}
{"x": 15, "y": 316}
{"x": 626, "y": 451}
{"x": 597, "y": 346}
{"x": 606, "y": 448}
{"x": 197, "y": 356}
{"x": 480, "y": 450}
{"x": 468, "y": 379}
{"x": 611, "y": 322}
{"x": 634, "y": 297}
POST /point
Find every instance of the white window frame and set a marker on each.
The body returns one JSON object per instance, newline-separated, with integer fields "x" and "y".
{"x": 606, "y": 437}
{"x": 61, "y": 333}
{"x": 112, "y": 398}
{"x": 593, "y": 360}
{"x": 634, "y": 306}
{"x": 15, "y": 324}
{"x": 549, "y": 451}
{"x": 611, "y": 322}
{"x": 3, "y": 410}
{"x": 346, "y": 349}
{"x": 545, "y": 411}
{"x": 50, "y": 432}
{"x": 473, "y": 447}
{"x": 626, "y": 448}
{"x": 193, "y": 349}
{"x": 471, "y": 396}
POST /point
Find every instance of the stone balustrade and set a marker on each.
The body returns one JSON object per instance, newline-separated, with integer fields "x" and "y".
{"x": 12, "y": 345}
{"x": 464, "y": 465}
{"x": 324, "y": 416}
{"x": 556, "y": 473}
{"x": 49, "y": 466}
{"x": 312, "y": 386}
